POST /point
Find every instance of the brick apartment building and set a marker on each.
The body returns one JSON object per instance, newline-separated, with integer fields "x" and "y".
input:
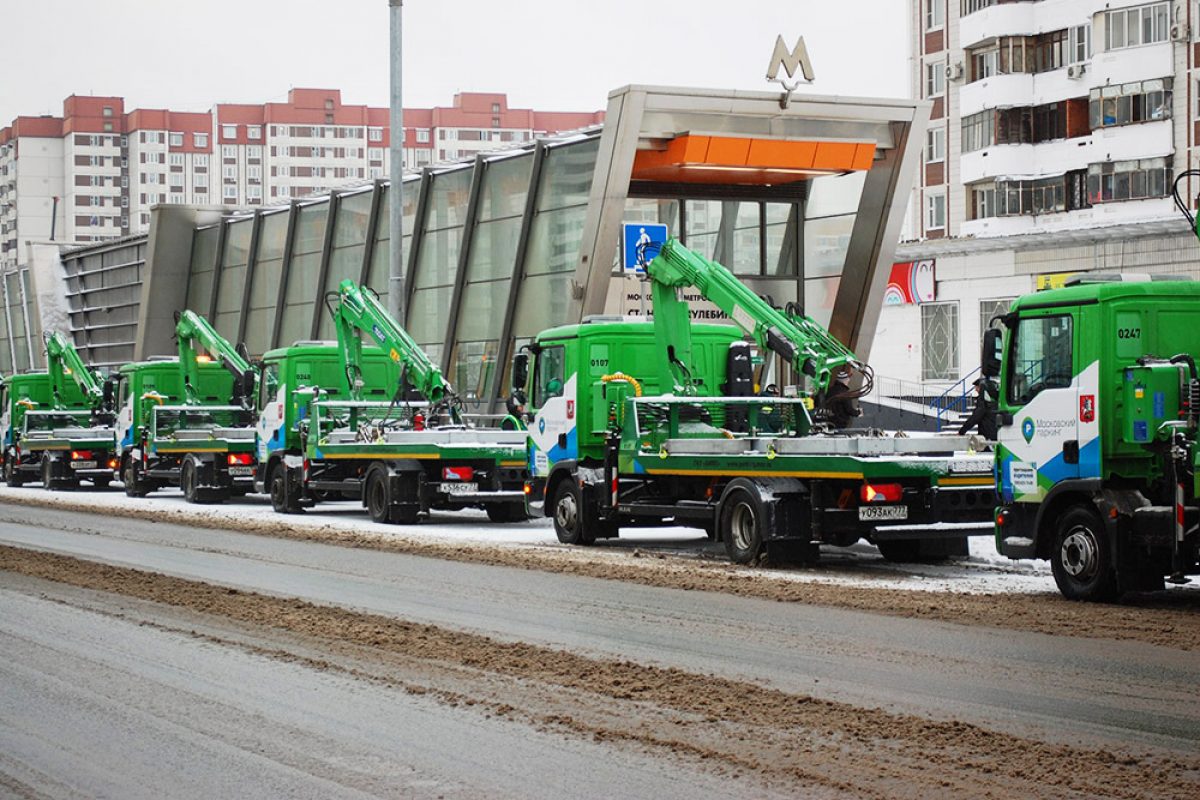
{"x": 95, "y": 172}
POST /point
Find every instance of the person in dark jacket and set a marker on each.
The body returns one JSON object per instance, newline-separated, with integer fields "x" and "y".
{"x": 841, "y": 406}
{"x": 515, "y": 421}
{"x": 983, "y": 415}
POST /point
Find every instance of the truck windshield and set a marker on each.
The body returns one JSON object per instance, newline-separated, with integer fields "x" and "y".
{"x": 1040, "y": 358}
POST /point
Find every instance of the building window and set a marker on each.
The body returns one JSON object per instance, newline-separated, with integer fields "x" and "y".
{"x": 971, "y": 6}
{"x": 423, "y": 136}
{"x": 991, "y": 310}
{"x": 254, "y": 151}
{"x": 229, "y": 131}
{"x": 200, "y": 181}
{"x": 935, "y": 145}
{"x": 1079, "y": 44}
{"x": 200, "y": 139}
{"x": 124, "y": 201}
{"x": 983, "y": 202}
{"x": 375, "y": 134}
{"x": 1114, "y": 181}
{"x": 934, "y": 14}
{"x": 230, "y": 193}
{"x": 176, "y": 159}
{"x": 176, "y": 140}
{"x": 985, "y": 64}
{"x": 254, "y": 132}
{"x": 228, "y": 151}
{"x": 1130, "y": 27}
{"x": 939, "y": 341}
{"x": 935, "y": 211}
{"x": 108, "y": 112}
{"x": 978, "y": 131}
{"x": 108, "y": 126}
{"x": 229, "y": 171}
{"x": 1041, "y": 195}
{"x": 200, "y": 160}
{"x": 124, "y": 181}
{"x": 254, "y": 171}
{"x": 1140, "y": 101}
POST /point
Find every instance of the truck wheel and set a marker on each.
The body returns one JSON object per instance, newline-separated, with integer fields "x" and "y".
{"x": 506, "y": 512}
{"x": 376, "y": 494}
{"x": 134, "y": 486}
{"x": 12, "y": 475}
{"x": 283, "y": 498}
{"x": 740, "y": 522}
{"x": 48, "y": 481}
{"x": 1082, "y": 560}
{"x": 189, "y": 482}
{"x": 569, "y": 518}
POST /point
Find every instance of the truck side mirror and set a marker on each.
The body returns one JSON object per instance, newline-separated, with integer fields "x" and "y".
{"x": 107, "y": 392}
{"x": 989, "y": 358}
{"x": 520, "y": 370}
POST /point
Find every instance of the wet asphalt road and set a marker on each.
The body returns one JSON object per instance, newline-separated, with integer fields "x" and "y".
{"x": 1068, "y": 689}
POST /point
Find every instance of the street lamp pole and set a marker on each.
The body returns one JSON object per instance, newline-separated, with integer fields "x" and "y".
{"x": 396, "y": 288}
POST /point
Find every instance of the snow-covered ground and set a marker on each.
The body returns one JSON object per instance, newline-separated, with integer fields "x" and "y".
{"x": 984, "y": 571}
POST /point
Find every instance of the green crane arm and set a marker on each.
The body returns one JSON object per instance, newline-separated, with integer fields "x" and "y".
{"x": 62, "y": 360}
{"x": 807, "y": 346}
{"x": 192, "y": 333}
{"x": 356, "y": 311}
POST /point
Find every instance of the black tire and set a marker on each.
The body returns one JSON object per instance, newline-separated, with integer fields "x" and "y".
{"x": 506, "y": 512}
{"x": 283, "y": 495}
{"x": 189, "y": 481}
{"x": 377, "y": 497}
{"x": 1082, "y": 560}
{"x": 134, "y": 486}
{"x": 12, "y": 475}
{"x": 570, "y": 523}
{"x": 740, "y": 522}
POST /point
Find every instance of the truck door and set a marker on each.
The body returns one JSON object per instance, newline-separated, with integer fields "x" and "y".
{"x": 553, "y": 434}
{"x": 1040, "y": 446}
{"x": 268, "y": 433}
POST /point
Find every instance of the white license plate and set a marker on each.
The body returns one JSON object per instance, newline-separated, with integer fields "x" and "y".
{"x": 240, "y": 471}
{"x": 83, "y": 465}
{"x": 460, "y": 488}
{"x": 870, "y": 513}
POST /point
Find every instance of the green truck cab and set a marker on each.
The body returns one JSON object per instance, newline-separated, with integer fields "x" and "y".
{"x": 161, "y": 440}
{"x": 608, "y": 447}
{"x": 40, "y": 442}
{"x": 1096, "y": 460}
{"x": 314, "y": 443}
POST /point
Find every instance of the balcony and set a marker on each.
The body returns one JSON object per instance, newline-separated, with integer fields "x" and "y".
{"x": 1146, "y": 139}
{"x": 1002, "y": 19}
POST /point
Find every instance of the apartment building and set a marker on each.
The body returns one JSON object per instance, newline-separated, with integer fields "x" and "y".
{"x": 96, "y": 172}
{"x": 1057, "y": 129}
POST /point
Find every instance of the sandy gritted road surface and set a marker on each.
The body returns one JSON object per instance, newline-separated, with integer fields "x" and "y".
{"x": 144, "y": 659}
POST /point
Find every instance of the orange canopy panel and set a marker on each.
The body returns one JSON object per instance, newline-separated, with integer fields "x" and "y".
{"x": 693, "y": 158}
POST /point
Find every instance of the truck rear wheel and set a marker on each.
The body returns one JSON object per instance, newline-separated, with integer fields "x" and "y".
{"x": 1082, "y": 560}
{"x": 740, "y": 522}
{"x": 382, "y": 506}
{"x": 569, "y": 519}
{"x": 189, "y": 482}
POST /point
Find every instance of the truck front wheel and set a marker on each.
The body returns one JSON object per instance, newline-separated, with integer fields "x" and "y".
{"x": 283, "y": 496}
{"x": 12, "y": 475}
{"x": 740, "y": 523}
{"x": 569, "y": 518}
{"x": 1082, "y": 560}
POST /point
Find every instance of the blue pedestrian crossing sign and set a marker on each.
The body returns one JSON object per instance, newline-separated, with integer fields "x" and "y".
{"x": 642, "y": 241}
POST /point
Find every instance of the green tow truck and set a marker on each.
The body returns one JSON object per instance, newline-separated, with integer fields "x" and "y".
{"x": 188, "y": 420}
{"x": 390, "y": 431}
{"x": 639, "y": 424}
{"x": 60, "y": 427}
{"x": 1099, "y": 408}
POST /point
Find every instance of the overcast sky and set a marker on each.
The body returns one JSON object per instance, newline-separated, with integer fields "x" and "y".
{"x": 552, "y": 55}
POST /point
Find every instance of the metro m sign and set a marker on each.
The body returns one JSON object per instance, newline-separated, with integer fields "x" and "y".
{"x": 790, "y": 62}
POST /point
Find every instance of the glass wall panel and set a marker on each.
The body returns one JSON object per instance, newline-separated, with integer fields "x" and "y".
{"x": 728, "y": 232}
{"x": 5, "y": 349}
{"x": 349, "y": 240}
{"x": 780, "y": 230}
{"x": 437, "y": 258}
{"x": 506, "y": 187}
{"x": 826, "y": 241}
{"x": 200, "y": 277}
{"x": 819, "y": 295}
{"x": 301, "y": 294}
{"x": 231, "y": 284}
{"x": 264, "y": 282}
{"x": 377, "y": 276}
{"x": 834, "y": 194}
{"x": 16, "y": 315}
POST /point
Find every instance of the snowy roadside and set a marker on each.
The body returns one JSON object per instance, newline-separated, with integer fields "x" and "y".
{"x": 983, "y": 572}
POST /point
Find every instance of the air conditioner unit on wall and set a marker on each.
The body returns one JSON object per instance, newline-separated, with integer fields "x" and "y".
{"x": 1075, "y": 71}
{"x": 954, "y": 71}
{"x": 1179, "y": 33}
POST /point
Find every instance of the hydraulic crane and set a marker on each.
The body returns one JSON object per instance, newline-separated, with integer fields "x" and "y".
{"x": 192, "y": 329}
{"x": 62, "y": 362}
{"x": 802, "y": 343}
{"x": 356, "y": 311}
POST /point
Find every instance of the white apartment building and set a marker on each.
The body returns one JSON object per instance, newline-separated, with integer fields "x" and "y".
{"x": 1057, "y": 129}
